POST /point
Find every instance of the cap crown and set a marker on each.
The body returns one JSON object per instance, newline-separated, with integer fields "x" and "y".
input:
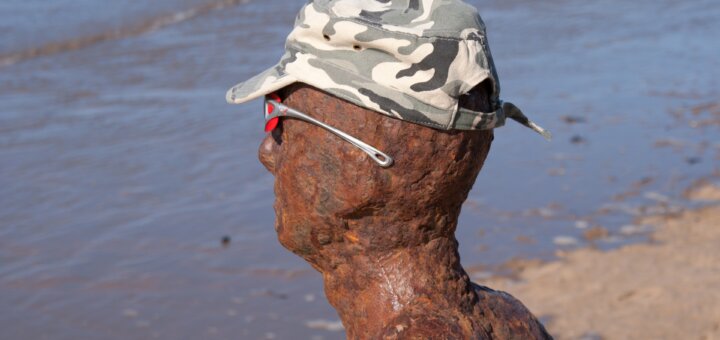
{"x": 411, "y": 59}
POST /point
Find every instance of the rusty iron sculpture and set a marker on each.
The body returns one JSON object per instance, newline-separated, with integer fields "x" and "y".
{"x": 384, "y": 238}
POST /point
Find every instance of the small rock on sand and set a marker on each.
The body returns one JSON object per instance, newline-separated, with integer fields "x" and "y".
{"x": 225, "y": 241}
{"x": 596, "y": 233}
{"x": 332, "y": 326}
{"x": 577, "y": 139}
{"x": 570, "y": 119}
{"x": 565, "y": 241}
{"x": 582, "y": 224}
{"x": 632, "y": 229}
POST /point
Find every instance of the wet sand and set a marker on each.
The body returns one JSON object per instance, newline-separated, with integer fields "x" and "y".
{"x": 666, "y": 289}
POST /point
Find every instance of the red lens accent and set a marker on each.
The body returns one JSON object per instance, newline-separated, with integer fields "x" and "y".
{"x": 275, "y": 97}
{"x": 272, "y": 124}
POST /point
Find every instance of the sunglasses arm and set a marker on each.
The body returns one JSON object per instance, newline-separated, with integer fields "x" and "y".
{"x": 378, "y": 156}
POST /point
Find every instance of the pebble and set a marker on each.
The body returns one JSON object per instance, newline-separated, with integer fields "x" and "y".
{"x": 577, "y": 139}
{"x": 225, "y": 241}
{"x": 569, "y": 119}
{"x": 309, "y": 297}
{"x": 693, "y": 160}
{"x": 546, "y": 213}
{"x": 582, "y": 224}
{"x": 663, "y": 210}
{"x": 632, "y": 229}
{"x": 656, "y": 197}
{"x": 673, "y": 143}
{"x": 333, "y": 326}
{"x": 626, "y": 208}
{"x": 613, "y": 239}
{"x": 596, "y": 233}
{"x": 565, "y": 241}
{"x": 268, "y": 293}
{"x": 524, "y": 239}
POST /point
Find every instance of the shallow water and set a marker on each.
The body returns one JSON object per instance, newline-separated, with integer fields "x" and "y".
{"x": 121, "y": 166}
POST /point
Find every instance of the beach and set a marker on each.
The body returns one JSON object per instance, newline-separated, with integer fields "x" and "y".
{"x": 664, "y": 289}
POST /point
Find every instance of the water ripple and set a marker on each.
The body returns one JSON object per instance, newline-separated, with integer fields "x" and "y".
{"x": 122, "y": 33}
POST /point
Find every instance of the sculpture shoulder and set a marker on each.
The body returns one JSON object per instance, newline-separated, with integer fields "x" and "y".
{"x": 509, "y": 318}
{"x": 497, "y": 316}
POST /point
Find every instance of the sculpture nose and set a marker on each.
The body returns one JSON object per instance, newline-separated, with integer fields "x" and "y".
{"x": 267, "y": 152}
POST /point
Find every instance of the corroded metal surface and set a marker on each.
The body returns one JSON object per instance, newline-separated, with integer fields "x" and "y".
{"x": 383, "y": 239}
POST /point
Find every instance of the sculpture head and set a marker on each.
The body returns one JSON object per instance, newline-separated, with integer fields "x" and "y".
{"x": 414, "y": 85}
{"x": 422, "y": 89}
{"x": 332, "y": 198}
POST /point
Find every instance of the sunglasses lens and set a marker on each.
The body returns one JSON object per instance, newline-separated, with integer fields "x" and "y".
{"x": 272, "y": 124}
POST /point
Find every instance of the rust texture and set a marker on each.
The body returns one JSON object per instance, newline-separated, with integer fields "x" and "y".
{"x": 384, "y": 239}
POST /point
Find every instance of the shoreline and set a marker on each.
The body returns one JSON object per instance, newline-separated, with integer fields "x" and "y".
{"x": 662, "y": 289}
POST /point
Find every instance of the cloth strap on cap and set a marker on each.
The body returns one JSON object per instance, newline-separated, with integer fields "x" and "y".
{"x": 493, "y": 119}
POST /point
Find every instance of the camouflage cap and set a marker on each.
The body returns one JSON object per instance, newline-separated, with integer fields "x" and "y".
{"x": 408, "y": 59}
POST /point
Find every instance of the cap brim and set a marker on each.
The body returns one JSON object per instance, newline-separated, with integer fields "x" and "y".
{"x": 266, "y": 82}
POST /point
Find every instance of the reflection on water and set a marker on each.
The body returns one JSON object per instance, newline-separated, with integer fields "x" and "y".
{"x": 121, "y": 166}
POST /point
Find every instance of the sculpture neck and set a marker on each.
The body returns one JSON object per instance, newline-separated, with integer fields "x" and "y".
{"x": 392, "y": 292}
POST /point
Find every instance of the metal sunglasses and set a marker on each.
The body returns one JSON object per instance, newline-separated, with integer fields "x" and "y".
{"x": 274, "y": 109}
